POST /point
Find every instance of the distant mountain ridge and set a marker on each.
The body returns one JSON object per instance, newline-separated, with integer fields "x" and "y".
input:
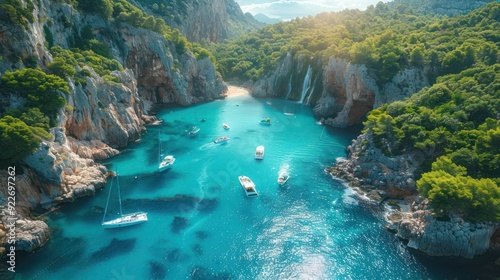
{"x": 441, "y": 7}
{"x": 265, "y": 19}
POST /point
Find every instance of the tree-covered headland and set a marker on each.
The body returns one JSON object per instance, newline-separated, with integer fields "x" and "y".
{"x": 455, "y": 121}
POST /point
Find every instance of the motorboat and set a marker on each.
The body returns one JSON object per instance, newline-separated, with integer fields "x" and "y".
{"x": 248, "y": 186}
{"x": 124, "y": 220}
{"x": 266, "y": 121}
{"x": 166, "y": 163}
{"x": 259, "y": 152}
{"x": 222, "y": 139}
{"x": 283, "y": 178}
{"x": 226, "y": 127}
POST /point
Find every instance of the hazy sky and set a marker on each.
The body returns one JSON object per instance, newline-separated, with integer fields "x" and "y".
{"x": 290, "y": 9}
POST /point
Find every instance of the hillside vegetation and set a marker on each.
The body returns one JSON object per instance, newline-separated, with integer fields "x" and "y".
{"x": 455, "y": 121}
{"x": 386, "y": 40}
{"x": 41, "y": 89}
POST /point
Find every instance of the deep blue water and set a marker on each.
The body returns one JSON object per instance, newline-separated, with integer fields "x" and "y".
{"x": 202, "y": 226}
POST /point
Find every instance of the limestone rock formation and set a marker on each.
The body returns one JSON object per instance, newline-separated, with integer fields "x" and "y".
{"x": 110, "y": 113}
{"x": 369, "y": 168}
{"x": 206, "y": 20}
{"x": 352, "y": 89}
{"x": 444, "y": 238}
{"x": 167, "y": 77}
{"x": 31, "y": 235}
{"x": 340, "y": 92}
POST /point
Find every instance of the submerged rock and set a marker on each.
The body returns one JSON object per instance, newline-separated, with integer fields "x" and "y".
{"x": 179, "y": 224}
{"x": 157, "y": 270}
{"x": 115, "y": 248}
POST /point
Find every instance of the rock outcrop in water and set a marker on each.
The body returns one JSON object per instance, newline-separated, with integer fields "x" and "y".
{"x": 367, "y": 167}
{"x": 100, "y": 115}
{"x": 340, "y": 92}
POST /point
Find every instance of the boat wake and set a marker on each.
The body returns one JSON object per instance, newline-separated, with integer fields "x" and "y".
{"x": 206, "y": 146}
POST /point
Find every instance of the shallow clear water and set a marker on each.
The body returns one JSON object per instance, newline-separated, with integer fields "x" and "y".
{"x": 202, "y": 226}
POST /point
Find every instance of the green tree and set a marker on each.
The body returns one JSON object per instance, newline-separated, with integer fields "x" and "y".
{"x": 103, "y": 8}
{"x": 417, "y": 57}
{"x": 40, "y": 90}
{"x": 59, "y": 67}
{"x": 19, "y": 139}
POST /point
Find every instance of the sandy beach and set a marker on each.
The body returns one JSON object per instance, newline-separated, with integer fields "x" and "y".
{"x": 235, "y": 91}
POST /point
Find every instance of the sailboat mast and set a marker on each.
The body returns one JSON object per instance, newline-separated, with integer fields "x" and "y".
{"x": 119, "y": 195}
{"x": 159, "y": 147}
{"x": 107, "y": 202}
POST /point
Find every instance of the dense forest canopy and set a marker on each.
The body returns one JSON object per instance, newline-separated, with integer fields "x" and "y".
{"x": 386, "y": 40}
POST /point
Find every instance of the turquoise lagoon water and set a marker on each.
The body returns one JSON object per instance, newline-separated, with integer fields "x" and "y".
{"x": 202, "y": 226}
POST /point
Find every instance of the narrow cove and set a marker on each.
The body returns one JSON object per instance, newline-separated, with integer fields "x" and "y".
{"x": 201, "y": 225}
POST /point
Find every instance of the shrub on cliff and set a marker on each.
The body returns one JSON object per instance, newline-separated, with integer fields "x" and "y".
{"x": 19, "y": 139}
{"x": 40, "y": 90}
{"x": 103, "y": 8}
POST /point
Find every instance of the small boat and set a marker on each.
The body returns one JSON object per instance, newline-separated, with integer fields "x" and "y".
{"x": 269, "y": 103}
{"x": 222, "y": 139}
{"x": 166, "y": 163}
{"x": 226, "y": 127}
{"x": 266, "y": 121}
{"x": 194, "y": 131}
{"x": 124, "y": 220}
{"x": 289, "y": 114}
{"x": 259, "y": 152}
{"x": 282, "y": 178}
{"x": 248, "y": 186}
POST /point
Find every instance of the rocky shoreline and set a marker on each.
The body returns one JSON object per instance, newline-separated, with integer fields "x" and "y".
{"x": 390, "y": 181}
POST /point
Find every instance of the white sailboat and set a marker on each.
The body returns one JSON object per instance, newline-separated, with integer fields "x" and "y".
{"x": 124, "y": 220}
{"x": 167, "y": 161}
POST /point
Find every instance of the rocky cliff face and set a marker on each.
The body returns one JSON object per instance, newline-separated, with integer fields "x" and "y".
{"x": 100, "y": 115}
{"x": 367, "y": 167}
{"x": 443, "y": 238}
{"x": 340, "y": 92}
{"x": 205, "y": 20}
{"x": 167, "y": 77}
